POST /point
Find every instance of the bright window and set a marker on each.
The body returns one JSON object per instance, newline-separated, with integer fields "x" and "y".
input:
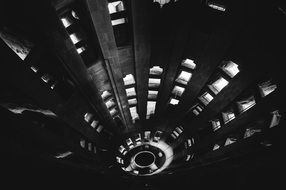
{"x": 118, "y": 21}
{"x": 216, "y": 6}
{"x": 178, "y": 91}
{"x": 99, "y": 128}
{"x": 151, "y": 105}
{"x": 132, "y": 101}
{"x": 215, "y": 124}
{"x": 153, "y": 82}
{"x": 245, "y": 104}
{"x": 228, "y": 116}
{"x": 105, "y": 94}
{"x": 75, "y": 38}
{"x": 184, "y": 77}
{"x": 115, "y": 7}
{"x": 189, "y": 63}
{"x": 230, "y": 68}
{"x": 130, "y": 91}
{"x": 67, "y": 21}
{"x": 266, "y": 88}
{"x": 152, "y": 94}
{"x": 156, "y": 70}
{"x": 218, "y": 85}
{"x": 174, "y": 101}
{"x": 129, "y": 79}
{"x": 229, "y": 141}
{"x": 206, "y": 98}
{"x": 110, "y": 103}
{"x": 94, "y": 123}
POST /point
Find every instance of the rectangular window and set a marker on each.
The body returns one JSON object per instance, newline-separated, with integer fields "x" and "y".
{"x": 99, "y": 128}
{"x": 245, "y": 104}
{"x": 133, "y": 112}
{"x": 228, "y": 116}
{"x": 110, "y": 103}
{"x": 147, "y": 135}
{"x": 218, "y": 85}
{"x": 130, "y": 92}
{"x": 156, "y": 70}
{"x": 217, "y": 6}
{"x": 275, "y": 119}
{"x": 151, "y": 105}
{"x": 154, "y": 82}
{"x": 178, "y": 91}
{"x": 229, "y": 141}
{"x": 249, "y": 132}
{"x": 118, "y": 21}
{"x": 75, "y": 38}
{"x": 88, "y": 117}
{"x": 189, "y": 64}
{"x": 115, "y": 7}
{"x": 184, "y": 77}
{"x": 216, "y": 146}
{"x": 174, "y": 101}
{"x": 129, "y": 79}
{"x": 105, "y": 94}
{"x": 132, "y": 101}
{"x": 94, "y": 123}
{"x": 152, "y": 94}
{"x": 113, "y": 111}
{"x": 230, "y": 68}
{"x": 206, "y": 98}
{"x": 215, "y": 124}
{"x": 266, "y": 88}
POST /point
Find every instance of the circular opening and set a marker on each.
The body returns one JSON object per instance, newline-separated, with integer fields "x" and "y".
{"x": 144, "y": 158}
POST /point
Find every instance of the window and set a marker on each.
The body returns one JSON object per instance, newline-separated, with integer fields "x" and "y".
{"x": 266, "y": 88}
{"x": 230, "y": 68}
{"x": 179, "y": 130}
{"x": 184, "y": 77}
{"x": 206, "y": 98}
{"x": 138, "y": 138}
{"x": 275, "y": 118}
{"x": 189, "y": 63}
{"x": 133, "y": 112}
{"x": 196, "y": 109}
{"x": 105, "y": 94}
{"x": 67, "y": 21}
{"x": 113, "y": 111}
{"x": 118, "y": 21}
{"x": 115, "y": 7}
{"x": 153, "y": 82}
{"x": 89, "y": 146}
{"x": 152, "y": 94}
{"x": 218, "y": 85}
{"x": 46, "y": 78}
{"x": 174, "y": 101}
{"x": 63, "y": 155}
{"x": 189, "y": 157}
{"x": 228, "y": 116}
{"x": 35, "y": 69}
{"x": 157, "y": 136}
{"x": 130, "y": 92}
{"x": 20, "y": 46}
{"x": 249, "y": 132}
{"x": 132, "y": 101}
{"x": 110, "y": 103}
{"x": 215, "y": 124}
{"x": 88, "y": 117}
{"x": 151, "y": 105}
{"x": 229, "y": 141}
{"x": 178, "y": 91}
{"x": 189, "y": 143}
{"x": 129, "y": 141}
{"x": 94, "y": 123}
{"x": 215, "y": 5}
{"x": 80, "y": 50}
{"x": 245, "y": 104}
{"x": 75, "y": 38}
{"x": 99, "y": 128}
{"x": 147, "y": 135}
{"x": 156, "y": 70}
{"x": 121, "y": 149}
{"x": 82, "y": 143}
{"x": 129, "y": 79}
{"x": 216, "y": 146}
